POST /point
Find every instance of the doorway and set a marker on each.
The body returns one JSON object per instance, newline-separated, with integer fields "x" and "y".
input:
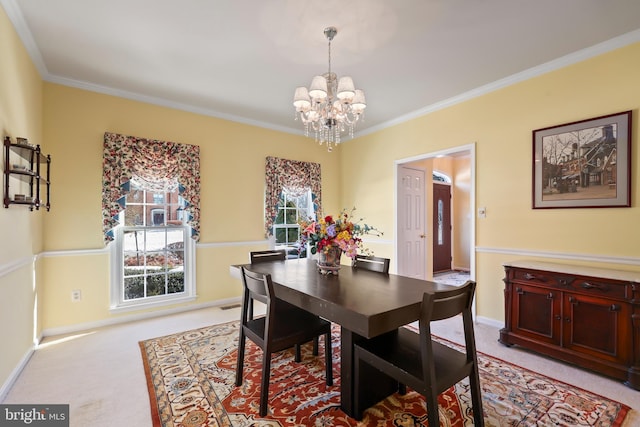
{"x": 459, "y": 164}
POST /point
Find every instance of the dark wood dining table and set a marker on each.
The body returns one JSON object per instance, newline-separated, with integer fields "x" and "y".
{"x": 365, "y": 304}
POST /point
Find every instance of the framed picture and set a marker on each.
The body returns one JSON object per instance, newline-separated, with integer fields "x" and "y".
{"x": 584, "y": 164}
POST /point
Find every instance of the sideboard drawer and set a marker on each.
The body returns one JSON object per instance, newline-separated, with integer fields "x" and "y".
{"x": 567, "y": 282}
{"x": 533, "y": 277}
{"x": 602, "y": 288}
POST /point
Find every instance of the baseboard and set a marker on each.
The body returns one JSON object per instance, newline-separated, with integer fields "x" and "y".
{"x": 4, "y": 390}
{"x": 491, "y": 322}
{"x": 82, "y": 327}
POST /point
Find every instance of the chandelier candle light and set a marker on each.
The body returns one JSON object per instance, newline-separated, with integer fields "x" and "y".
{"x": 330, "y": 106}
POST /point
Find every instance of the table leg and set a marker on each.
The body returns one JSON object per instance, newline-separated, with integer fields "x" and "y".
{"x": 378, "y": 386}
{"x": 346, "y": 370}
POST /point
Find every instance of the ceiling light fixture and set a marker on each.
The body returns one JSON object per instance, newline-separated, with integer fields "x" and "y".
{"x": 330, "y": 106}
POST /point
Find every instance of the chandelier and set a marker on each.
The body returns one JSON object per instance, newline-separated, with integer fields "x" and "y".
{"x": 330, "y": 106}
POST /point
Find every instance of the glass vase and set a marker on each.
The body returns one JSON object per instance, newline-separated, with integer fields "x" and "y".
{"x": 329, "y": 260}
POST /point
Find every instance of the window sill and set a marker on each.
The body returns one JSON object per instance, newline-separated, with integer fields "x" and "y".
{"x": 137, "y": 306}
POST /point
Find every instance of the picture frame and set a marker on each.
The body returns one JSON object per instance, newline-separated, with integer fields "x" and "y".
{"x": 583, "y": 164}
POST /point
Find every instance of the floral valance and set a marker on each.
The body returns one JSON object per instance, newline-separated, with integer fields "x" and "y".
{"x": 294, "y": 176}
{"x": 157, "y": 166}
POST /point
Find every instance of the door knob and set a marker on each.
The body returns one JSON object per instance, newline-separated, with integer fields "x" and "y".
{"x": 422, "y": 236}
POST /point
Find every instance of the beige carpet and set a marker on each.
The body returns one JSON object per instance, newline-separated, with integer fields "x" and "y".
{"x": 100, "y": 372}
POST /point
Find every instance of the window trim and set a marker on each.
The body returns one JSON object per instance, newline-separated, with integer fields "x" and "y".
{"x": 118, "y": 304}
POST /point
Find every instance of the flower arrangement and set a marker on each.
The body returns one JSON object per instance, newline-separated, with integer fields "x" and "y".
{"x": 340, "y": 231}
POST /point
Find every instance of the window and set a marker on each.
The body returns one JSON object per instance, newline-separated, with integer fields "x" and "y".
{"x": 440, "y": 177}
{"x": 291, "y": 209}
{"x": 157, "y": 216}
{"x": 152, "y": 251}
{"x": 292, "y": 177}
{"x": 440, "y": 216}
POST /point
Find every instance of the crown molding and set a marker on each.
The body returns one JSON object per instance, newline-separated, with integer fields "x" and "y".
{"x": 556, "y": 64}
{"x": 20, "y": 25}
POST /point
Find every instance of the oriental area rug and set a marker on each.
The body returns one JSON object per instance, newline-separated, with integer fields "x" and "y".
{"x": 191, "y": 382}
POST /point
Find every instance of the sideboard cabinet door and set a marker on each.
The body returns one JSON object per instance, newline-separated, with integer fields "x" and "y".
{"x": 597, "y": 327}
{"x": 536, "y": 313}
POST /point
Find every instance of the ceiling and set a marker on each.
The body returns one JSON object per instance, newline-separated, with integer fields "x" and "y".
{"x": 242, "y": 59}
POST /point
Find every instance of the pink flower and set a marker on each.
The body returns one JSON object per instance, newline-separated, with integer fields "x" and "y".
{"x": 311, "y": 228}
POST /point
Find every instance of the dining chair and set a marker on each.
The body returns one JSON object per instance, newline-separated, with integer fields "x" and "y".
{"x": 278, "y": 255}
{"x": 372, "y": 263}
{"x": 418, "y": 361}
{"x": 277, "y": 330}
{"x": 266, "y": 256}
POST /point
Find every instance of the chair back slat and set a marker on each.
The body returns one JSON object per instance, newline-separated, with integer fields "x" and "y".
{"x": 372, "y": 263}
{"x": 267, "y": 256}
{"x": 258, "y": 286}
{"x": 451, "y": 303}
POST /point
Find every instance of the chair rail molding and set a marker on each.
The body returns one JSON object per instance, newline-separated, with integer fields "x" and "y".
{"x": 17, "y": 264}
{"x": 561, "y": 255}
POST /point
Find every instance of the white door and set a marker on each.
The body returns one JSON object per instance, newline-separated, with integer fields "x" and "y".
{"x": 411, "y": 227}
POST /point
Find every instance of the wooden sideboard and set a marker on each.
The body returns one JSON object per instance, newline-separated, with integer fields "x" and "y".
{"x": 586, "y": 316}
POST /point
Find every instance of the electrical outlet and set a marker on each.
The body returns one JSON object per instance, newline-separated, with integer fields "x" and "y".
{"x": 482, "y": 212}
{"x": 76, "y": 295}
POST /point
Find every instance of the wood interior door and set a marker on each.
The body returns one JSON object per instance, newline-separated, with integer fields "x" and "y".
{"x": 441, "y": 227}
{"x": 411, "y": 224}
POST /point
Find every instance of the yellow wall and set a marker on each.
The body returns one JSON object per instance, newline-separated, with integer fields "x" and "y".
{"x": 20, "y": 229}
{"x": 462, "y": 215}
{"x": 232, "y": 163}
{"x": 501, "y": 124}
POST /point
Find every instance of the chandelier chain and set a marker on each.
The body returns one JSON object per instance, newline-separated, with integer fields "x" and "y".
{"x": 329, "y": 56}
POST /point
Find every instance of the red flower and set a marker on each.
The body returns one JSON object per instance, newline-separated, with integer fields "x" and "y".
{"x": 328, "y": 219}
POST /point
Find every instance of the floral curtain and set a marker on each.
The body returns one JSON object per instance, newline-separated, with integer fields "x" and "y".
{"x": 158, "y": 166}
{"x": 294, "y": 176}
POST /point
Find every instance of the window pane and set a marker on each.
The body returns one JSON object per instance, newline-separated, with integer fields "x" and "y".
{"x": 156, "y": 285}
{"x": 155, "y": 239}
{"x": 279, "y": 217}
{"x": 133, "y": 215}
{"x": 175, "y": 248}
{"x": 281, "y": 235}
{"x": 136, "y": 195}
{"x": 134, "y": 287}
{"x": 156, "y": 261}
{"x": 134, "y": 259}
{"x": 175, "y": 282}
{"x": 292, "y": 235}
{"x": 292, "y": 216}
{"x": 133, "y": 240}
